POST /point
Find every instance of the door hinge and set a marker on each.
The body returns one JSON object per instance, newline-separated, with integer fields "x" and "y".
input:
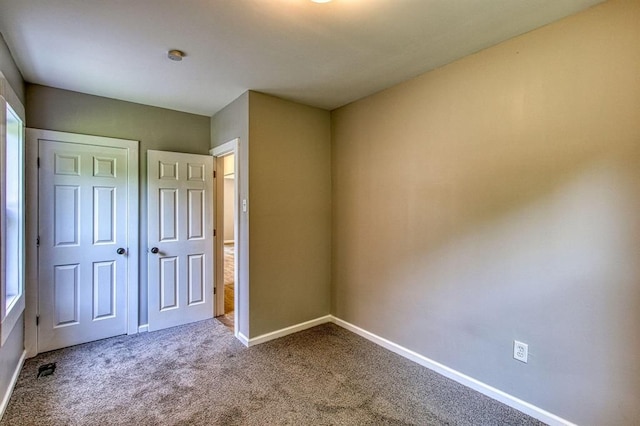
{"x": 38, "y": 241}
{"x": 38, "y": 320}
{"x": 214, "y": 232}
{"x": 214, "y": 290}
{"x": 214, "y": 174}
{"x": 38, "y": 162}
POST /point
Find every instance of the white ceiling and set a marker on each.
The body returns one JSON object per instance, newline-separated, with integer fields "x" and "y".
{"x": 325, "y": 55}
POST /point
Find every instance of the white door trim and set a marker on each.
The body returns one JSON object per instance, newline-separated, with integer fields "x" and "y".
{"x": 231, "y": 147}
{"x": 133, "y": 224}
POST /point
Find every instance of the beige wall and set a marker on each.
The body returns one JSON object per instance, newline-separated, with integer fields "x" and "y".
{"x": 13, "y": 347}
{"x": 10, "y": 70}
{"x": 290, "y": 202}
{"x": 155, "y": 128}
{"x": 289, "y": 199}
{"x": 232, "y": 122}
{"x": 229, "y": 164}
{"x": 229, "y": 208}
{"x": 10, "y": 355}
{"x": 497, "y": 198}
{"x": 229, "y": 196}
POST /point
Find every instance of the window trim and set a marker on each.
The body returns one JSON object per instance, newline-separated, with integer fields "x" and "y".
{"x": 9, "y": 317}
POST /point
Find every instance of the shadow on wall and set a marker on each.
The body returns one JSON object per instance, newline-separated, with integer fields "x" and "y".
{"x": 545, "y": 253}
{"x": 498, "y": 198}
{"x": 536, "y": 243}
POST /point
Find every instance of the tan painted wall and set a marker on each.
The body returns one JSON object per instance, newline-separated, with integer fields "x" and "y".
{"x": 229, "y": 208}
{"x": 498, "y": 198}
{"x": 230, "y": 123}
{"x": 10, "y": 70}
{"x": 290, "y": 210}
{"x": 229, "y": 196}
{"x": 229, "y": 164}
{"x": 289, "y": 199}
{"x": 155, "y": 128}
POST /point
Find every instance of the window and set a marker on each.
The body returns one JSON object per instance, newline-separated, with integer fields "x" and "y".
{"x": 12, "y": 219}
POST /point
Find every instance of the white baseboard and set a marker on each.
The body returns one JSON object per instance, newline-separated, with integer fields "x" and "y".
{"x": 483, "y": 388}
{"x": 244, "y": 339}
{"x": 14, "y": 379}
{"x": 450, "y": 373}
{"x": 457, "y": 376}
{"x": 289, "y": 330}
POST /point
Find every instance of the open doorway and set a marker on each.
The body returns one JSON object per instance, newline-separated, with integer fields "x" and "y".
{"x": 229, "y": 249}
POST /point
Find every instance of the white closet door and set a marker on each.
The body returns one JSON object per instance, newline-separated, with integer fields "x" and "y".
{"x": 82, "y": 214}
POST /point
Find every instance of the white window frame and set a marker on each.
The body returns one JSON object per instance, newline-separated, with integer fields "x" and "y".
{"x": 9, "y": 316}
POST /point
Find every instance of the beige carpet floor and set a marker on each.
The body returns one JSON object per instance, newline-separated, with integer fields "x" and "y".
{"x": 199, "y": 374}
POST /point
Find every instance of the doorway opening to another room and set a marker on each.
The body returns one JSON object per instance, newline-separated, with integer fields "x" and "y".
{"x": 230, "y": 240}
{"x": 228, "y": 235}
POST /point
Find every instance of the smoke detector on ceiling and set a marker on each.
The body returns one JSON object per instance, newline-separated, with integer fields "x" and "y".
{"x": 176, "y": 55}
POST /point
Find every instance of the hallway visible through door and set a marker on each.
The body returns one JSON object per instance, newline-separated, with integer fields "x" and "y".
{"x": 229, "y": 240}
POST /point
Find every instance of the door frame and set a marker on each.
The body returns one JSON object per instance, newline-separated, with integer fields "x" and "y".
{"x": 218, "y": 153}
{"x": 33, "y": 137}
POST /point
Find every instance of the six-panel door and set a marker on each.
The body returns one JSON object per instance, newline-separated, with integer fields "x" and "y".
{"x": 82, "y": 214}
{"x": 180, "y": 238}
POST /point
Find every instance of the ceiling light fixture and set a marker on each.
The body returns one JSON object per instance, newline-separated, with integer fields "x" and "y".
{"x": 176, "y": 55}
{"x": 321, "y": 1}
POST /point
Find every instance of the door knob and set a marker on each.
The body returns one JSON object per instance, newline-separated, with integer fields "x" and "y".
{"x": 121, "y": 251}
{"x": 154, "y": 250}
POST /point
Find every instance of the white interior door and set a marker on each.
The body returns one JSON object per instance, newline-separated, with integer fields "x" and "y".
{"x": 180, "y": 238}
{"x": 83, "y": 233}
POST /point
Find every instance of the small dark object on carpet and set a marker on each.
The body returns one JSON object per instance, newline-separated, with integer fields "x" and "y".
{"x": 46, "y": 369}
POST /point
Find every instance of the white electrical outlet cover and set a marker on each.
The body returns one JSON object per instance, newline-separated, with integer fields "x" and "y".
{"x": 520, "y": 351}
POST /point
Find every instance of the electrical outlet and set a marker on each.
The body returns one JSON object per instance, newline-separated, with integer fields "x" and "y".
{"x": 520, "y": 351}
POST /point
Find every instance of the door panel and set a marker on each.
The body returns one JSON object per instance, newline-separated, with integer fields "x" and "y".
{"x": 168, "y": 283}
{"x": 104, "y": 290}
{"x": 195, "y": 214}
{"x": 66, "y": 215}
{"x": 82, "y": 220}
{"x": 168, "y": 214}
{"x": 181, "y": 228}
{"x": 104, "y": 217}
{"x": 196, "y": 279}
{"x": 66, "y": 287}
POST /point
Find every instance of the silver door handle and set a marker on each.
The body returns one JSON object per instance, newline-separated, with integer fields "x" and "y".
{"x": 154, "y": 250}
